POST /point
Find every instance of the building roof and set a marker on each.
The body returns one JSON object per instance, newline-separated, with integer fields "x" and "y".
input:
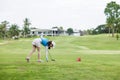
{"x": 43, "y": 30}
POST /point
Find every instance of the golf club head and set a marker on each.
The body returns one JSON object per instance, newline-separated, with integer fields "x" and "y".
{"x": 52, "y": 59}
{"x": 46, "y": 60}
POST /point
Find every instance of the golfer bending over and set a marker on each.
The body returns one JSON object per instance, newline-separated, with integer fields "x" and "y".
{"x": 36, "y": 45}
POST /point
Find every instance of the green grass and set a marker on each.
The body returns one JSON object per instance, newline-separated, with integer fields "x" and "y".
{"x": 100, "y": 59}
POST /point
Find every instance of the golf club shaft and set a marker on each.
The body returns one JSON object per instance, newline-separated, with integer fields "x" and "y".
{"x": 50, "y": 55}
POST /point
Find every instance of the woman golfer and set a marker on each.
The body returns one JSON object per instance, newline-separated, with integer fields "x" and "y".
{"x": 36, "y": 45}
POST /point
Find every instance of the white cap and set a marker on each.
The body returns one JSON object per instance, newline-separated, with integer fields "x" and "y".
{"x": 53, "y": 44}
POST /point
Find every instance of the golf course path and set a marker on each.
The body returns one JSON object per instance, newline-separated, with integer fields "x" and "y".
{"x": 3, "y": 43}
{"x": 99, "y": 51}
{"x": 83, "y": 47}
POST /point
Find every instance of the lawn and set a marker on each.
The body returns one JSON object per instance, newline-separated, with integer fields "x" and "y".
{"x": 100, "y": 59}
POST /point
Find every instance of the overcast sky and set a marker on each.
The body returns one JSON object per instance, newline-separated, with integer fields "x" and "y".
{"x": 77, "y": 14}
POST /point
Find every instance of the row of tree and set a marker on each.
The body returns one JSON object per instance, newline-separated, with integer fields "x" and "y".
{"x": 8, "y": 31}
{"x": 112, "y": 12}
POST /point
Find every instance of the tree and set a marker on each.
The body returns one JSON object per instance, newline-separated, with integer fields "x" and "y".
{"x": 3, "y": 29}
{"x": 60, "y": 29}
{"x": 14, "y": 30}
{"x": 100, "y": 29}
{"x": 70, "y": 31}
{"x": 112, "y": 11}
{"x": 26, "y": 29}
{"x": 89, "y": 31}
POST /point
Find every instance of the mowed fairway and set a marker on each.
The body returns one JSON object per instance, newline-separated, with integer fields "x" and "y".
{"x": 100, "y": 59}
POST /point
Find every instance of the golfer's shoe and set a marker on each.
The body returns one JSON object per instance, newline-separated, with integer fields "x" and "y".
{"x": 28, "y": 59}
{"x": 40, "y": 61}
{"x": 52, "y": 59}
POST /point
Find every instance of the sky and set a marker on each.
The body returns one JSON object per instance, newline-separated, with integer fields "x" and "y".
{"x": 76, "y": 14}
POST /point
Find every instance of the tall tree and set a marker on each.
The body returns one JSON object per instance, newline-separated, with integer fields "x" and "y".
{"x": 3, "y": 28}
{"x": 112, "y": 11}
{"x": 1, "y": 31}
{"x": 14, "y": 30}
{"x": 26, "y": 29}
{"x": 70, "y": 31}
{"x": 100, "y": 29}
{"x": 60, "y": 29}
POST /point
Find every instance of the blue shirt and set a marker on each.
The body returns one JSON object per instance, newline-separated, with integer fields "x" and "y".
{"x": 44, "y": 41}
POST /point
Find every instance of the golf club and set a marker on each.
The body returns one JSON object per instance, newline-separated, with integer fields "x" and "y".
{"x": 51, "y": 56}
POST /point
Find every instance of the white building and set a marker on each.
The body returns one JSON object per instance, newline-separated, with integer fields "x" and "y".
{"x": 52, "y": 32}
{"x": 76, "y": 32}
{"x": 46, "y": 32}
